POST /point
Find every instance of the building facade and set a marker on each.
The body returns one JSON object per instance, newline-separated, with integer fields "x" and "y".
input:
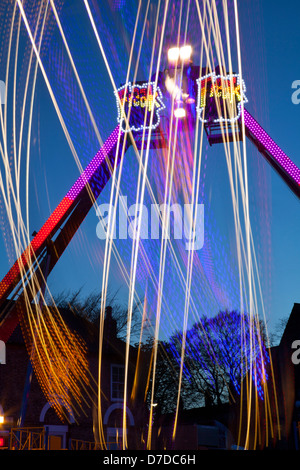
{"x": 23, "y": 403}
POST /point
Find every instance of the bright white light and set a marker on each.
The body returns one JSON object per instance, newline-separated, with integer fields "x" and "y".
{"x": 179, "y": 113}
{"x": 185, "y": 53}
{"x": 1, "y": 419}
{"x": 173, "y": 54}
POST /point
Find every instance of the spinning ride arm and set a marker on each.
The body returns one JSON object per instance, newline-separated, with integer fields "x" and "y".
{"x": 273, "y": 153}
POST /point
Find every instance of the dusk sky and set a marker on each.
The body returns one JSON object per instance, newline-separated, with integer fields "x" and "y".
{"x": 270, "y": 38}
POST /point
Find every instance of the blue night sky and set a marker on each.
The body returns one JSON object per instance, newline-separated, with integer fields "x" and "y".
{"x": 270, "y": 38}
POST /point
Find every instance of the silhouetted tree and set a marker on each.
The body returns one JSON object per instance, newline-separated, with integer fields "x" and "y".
{"x": 277, "y": 331}
{"x": 217, "y": 354}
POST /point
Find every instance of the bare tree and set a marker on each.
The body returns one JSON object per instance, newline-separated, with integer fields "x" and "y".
{"x": 216, "y": 357}
{"x": 277, "y": 332}
{"x": 89, "y": 307}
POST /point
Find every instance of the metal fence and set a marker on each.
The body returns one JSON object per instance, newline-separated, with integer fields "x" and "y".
{"x": 27, "y": 439}
{"x": 37, "y": 438}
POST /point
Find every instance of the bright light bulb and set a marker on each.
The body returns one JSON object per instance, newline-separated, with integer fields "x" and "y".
{"x": 179, "y": 113}
{"x": 185, "y": 53}
{"x": 173, "y": 54}
{"x": 1, "y": 419}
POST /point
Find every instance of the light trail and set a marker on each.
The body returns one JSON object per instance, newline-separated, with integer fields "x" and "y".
{"x": 38, "y": 362}
{"x": 238, "y": 231}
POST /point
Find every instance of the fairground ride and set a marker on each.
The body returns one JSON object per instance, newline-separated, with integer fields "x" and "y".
{"x": 216, "y": 98}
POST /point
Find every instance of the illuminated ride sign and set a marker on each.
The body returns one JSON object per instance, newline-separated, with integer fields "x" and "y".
{"x": 220, "y": 98}
{"x": 139, "y": 106}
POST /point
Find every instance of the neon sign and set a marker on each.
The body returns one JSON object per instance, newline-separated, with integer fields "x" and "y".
{"x": 220, "y": 97}
{"x": 139, "y": 106}
{"x": 2, "y": 353}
